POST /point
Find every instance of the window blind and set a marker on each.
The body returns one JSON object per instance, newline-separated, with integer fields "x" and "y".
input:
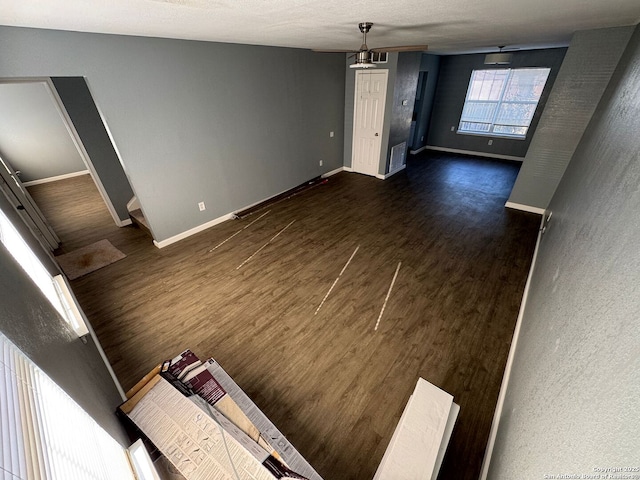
{"x": 44, "y": 434}
{"x": 502, "y": 102}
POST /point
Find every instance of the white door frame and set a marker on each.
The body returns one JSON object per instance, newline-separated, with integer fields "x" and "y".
{"x": 66, "y": 120}
{"x": 358, "y": 73}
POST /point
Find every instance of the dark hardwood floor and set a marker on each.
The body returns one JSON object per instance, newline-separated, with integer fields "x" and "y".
{"x": 331, "y": 382}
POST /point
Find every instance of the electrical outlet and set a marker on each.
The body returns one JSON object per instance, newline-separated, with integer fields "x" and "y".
{"x": 320, "y": 162}
{"x": 422, "y": 138}
{"x": 201, "y": 206}
{"x": 490, "y": 142}
{"x": 453, "y": 128}
{"x": 331, "y": 134}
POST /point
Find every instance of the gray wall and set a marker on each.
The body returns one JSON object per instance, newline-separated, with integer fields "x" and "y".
{"x": 583, "y": 77}
{"x": 34, "y": 326}
{"x": 77, "y": 100}
{"x": 404, "y": 89}
{"x": 453, "y": 80}
{"x": 196, "y": 121}
{"x": 573, "y": 400}
{"x": 33, "y": 137}
{"x": 430, "y": 65}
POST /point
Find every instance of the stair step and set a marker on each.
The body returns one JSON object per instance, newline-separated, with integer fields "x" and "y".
{"x": 137, "y": 217}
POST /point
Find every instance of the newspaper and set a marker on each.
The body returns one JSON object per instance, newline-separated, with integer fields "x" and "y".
{"x": 198, "y": 446}
{"x": 276, "y": 439}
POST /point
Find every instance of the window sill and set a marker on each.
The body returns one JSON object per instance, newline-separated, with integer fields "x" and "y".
{"x": 492, "y": 135}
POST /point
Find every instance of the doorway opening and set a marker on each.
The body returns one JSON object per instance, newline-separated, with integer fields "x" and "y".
{"x": 40, "y": 145}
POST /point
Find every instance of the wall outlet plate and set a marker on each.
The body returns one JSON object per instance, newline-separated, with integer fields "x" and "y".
{"x": 320, "y": 162}
{"x": 201, "y": 206}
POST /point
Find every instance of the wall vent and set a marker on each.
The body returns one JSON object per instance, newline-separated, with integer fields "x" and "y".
{"x": 398, "y": 154}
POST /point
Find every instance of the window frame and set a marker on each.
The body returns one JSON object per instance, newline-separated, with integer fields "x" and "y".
{"x": 55, "y": 288}
{"x": 498, "y": 104}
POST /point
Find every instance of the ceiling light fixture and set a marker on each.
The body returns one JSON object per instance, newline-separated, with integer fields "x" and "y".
{"x": 363, "y": 60}
{"x": 499, "y": 58}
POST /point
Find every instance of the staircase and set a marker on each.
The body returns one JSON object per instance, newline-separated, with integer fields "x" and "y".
{"x": 137, "y": 217}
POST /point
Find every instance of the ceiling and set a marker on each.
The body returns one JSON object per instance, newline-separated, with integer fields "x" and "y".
{"x": 447, "y": 26}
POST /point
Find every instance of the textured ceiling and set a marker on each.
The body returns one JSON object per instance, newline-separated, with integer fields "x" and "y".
{"x": 447, "y": 26}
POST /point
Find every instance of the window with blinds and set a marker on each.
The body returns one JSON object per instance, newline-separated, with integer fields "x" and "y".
{"x": 44, "y": 434}
{"x": 502, "y": 102}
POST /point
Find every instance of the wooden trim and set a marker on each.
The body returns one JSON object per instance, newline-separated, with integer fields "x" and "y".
{"x": 130, "y": 404}
{"x": 525, "y": 208}
{"x": 143, "y": 381}
{"x": 56, "y": 178}
{"x": 477, "y": 154}
{"x": 280, "y": 196}
{"x": 415, "y": 152}
{"x": 181, "y": 236}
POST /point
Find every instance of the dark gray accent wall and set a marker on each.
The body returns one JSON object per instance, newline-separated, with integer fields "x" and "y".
{"x": 583, "y": 77}
{"x": 572, "y": 402}
{"x": 453, "y": 81}
{"x": 349, "y": 104}
{"x": 406, "y": 83}
{"x": 33, "y": 325}
{"x": 78, "y": 102}
{"x": 430, "y": 66}
{"x": 224, "y": 124}
{"x": 33, "y": 136}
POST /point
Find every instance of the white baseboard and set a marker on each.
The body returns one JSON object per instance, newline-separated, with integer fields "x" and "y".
{"x": 56, "y": 178}
{"x": 181, "y": 236}
{"x": 124, "y": 223}
{"x": 495, "y": 424}
{"x": 415, "y": 152}
{"x": 477, "y": 154}
{"x": 525, "y": 208}
{"x": 223, "y": 218}
{"x": 332, "y": 172}
{"x": 387, "y": 175}
{"x": 347, "y": 169}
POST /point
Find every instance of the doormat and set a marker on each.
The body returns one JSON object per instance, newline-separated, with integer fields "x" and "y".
{"x": 89, "y": 259}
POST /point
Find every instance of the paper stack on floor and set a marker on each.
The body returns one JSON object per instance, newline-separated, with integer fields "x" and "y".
{"x": 210, "y": 436}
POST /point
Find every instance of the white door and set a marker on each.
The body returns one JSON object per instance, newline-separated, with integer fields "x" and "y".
{"x": 371, "y": 92}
